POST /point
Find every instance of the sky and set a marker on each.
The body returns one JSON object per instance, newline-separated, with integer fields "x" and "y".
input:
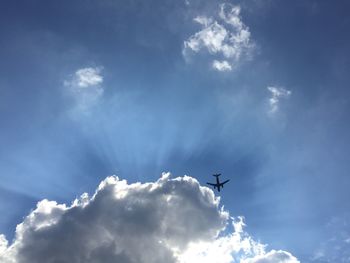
{"x": 255, "y": 90}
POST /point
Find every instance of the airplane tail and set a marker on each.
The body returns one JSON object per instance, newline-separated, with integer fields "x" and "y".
{"x": 216, "y": 175}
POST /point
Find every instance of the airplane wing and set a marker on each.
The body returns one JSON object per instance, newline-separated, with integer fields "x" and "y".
{"x": 224, "y": 182}
{"x": 211, "y": 184}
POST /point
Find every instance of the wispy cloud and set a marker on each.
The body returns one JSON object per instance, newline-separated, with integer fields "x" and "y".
{"x": 277, "y": 93}
{"x": 336, "y": 246}
{"x": 85, "y": 85}
{"x": 170, "y": 220}
{"x": 226, "y": 38}
{"x": 222, "y": 65}
{"x": 87, "y": 77}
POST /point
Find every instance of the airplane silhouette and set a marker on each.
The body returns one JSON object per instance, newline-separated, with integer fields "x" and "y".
{"x": 218, "y": 184}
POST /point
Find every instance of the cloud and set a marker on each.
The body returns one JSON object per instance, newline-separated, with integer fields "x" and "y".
{"x": 335, "y": 246}
{"x": 226, "y": 37}
{"x": 229, "y": 248}
{"x": 273, "y": 256}
{"x": 170, "y": 220}
{"x": 86, "y": 87}
{"x": 87, "y": 77}
{"x": 235, "y": 247}
{"x": 222, "y": 65}
{"x": 3, "y": 244}
{"x": 277, "y": 93}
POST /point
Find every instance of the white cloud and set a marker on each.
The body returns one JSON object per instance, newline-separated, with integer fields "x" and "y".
{"x": 229, "y": 248}
{"x": 3, "y": 244}
{"x": 222, "y": 65}
{"x": 205, "y": 21}
{"x": 277, "y": 93}
{"x": 87, "y": 77}
{"x": 227, "y": 37}
{"x": 168, "y": 221}
{"x": 86, "y": 87}
{"x": 273, "y": 256}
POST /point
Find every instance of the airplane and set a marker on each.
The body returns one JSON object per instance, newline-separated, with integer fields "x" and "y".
{"x": 218, "y": 184}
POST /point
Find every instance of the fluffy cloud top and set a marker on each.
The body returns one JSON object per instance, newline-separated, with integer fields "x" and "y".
{"x": 86, "y": 87}
{"x": 227, "y": 38}
{"x": 276, "y": 94}
{"x": 170, "y": 220}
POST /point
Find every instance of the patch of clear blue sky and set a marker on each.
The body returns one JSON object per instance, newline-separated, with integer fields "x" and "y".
{"x": 289, "y": 172}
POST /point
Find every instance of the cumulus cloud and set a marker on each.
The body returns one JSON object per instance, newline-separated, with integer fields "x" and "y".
{"x": 277, "y": 93}
{"x": 85, "y": 85}
{"x": 3, "y": 244}
{"x": 226, "y": 37}
{"x": 170, "y": 220}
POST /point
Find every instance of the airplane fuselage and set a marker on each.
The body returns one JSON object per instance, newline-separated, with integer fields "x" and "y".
{"x": 218, "y": 185}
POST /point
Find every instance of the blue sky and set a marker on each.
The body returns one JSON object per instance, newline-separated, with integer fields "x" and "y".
{"x": 256, "y": 90}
